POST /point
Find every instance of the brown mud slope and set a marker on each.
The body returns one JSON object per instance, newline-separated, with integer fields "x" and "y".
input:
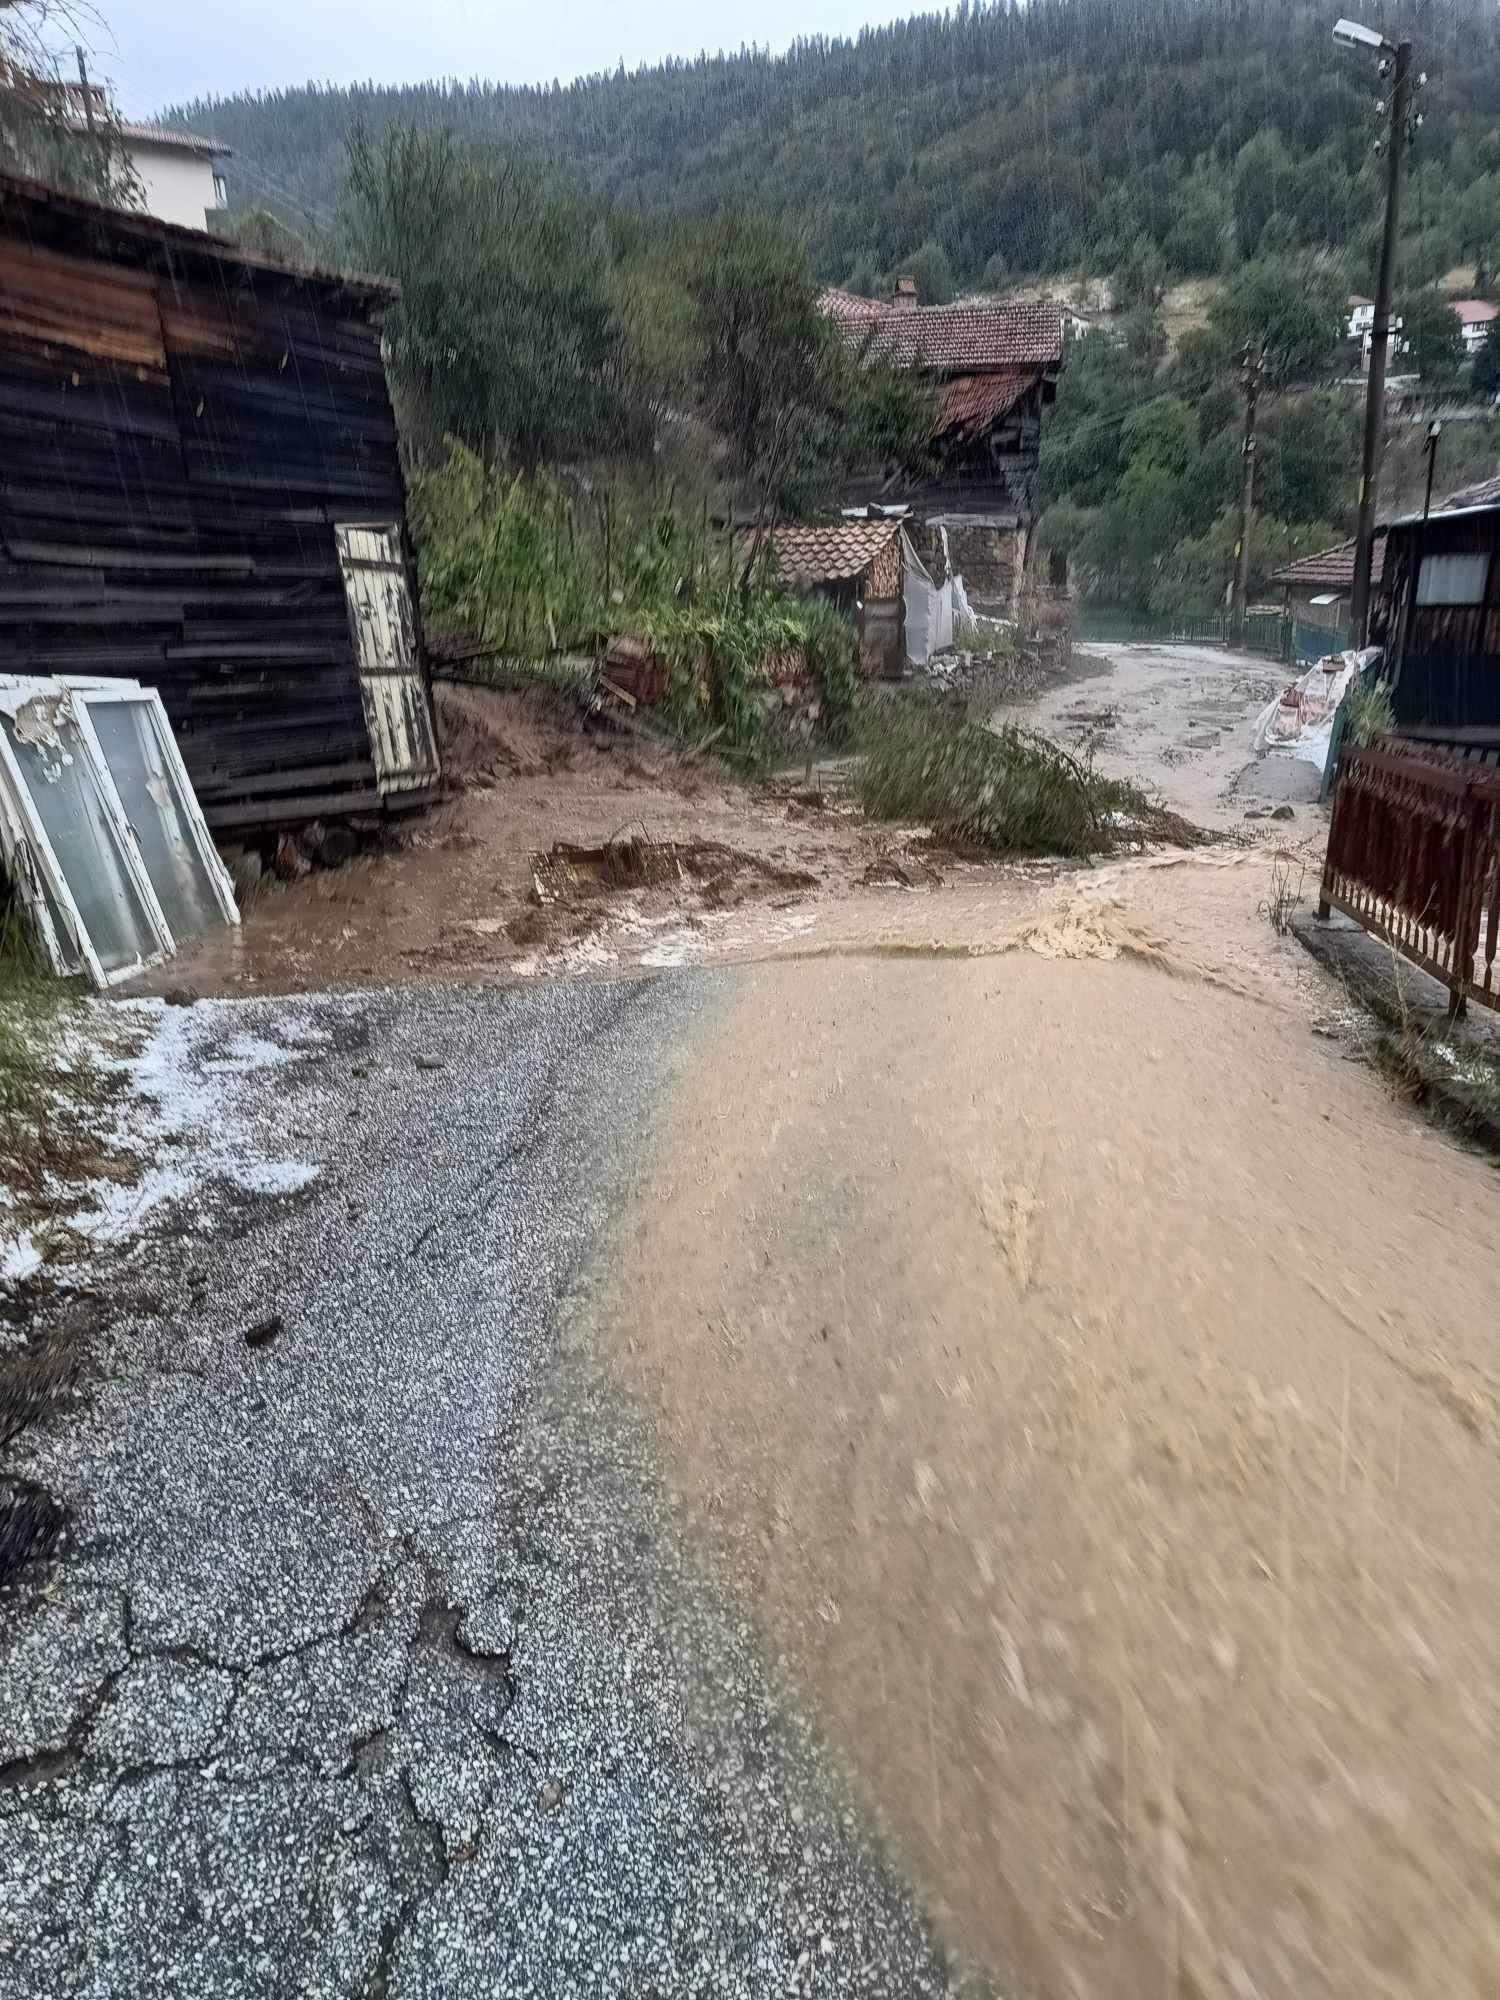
{"x": 1089, "y": 1379}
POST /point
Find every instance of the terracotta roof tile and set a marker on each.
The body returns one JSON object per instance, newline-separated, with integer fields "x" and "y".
{"x": 810, "y": 552}
{"x": 1332, "y": 569}
{"x": 842, "y": 305}
{"x": 161, "y": 135}
{"x": 969, "y": 404}
{"x": 953, "y": 340}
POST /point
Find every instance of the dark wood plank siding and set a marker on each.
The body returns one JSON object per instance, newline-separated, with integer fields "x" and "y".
{"x": 1449, "y": 674}
{"x": 175, "y": 447}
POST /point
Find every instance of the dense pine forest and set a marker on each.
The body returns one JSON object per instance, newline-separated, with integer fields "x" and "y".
{"x": 1146, "y": 142}
{"x": 1044, "y": 137}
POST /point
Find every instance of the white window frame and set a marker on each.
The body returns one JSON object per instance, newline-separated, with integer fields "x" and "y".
{"x": 33, "y": 861}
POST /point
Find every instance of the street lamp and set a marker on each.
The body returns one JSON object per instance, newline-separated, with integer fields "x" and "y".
{"x": 1355, "y": 35}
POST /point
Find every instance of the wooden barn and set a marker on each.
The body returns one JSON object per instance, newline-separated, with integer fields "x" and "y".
{"x": 200, "y": 490}
{"x": 994, "y": 370}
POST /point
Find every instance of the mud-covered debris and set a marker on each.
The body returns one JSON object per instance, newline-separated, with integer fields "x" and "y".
{"x": 885, "y": 872}
{"x": 430, "y": 1062}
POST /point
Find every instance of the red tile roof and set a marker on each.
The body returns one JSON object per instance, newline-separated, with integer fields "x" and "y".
{"x": 1331, "y": 569}
{"x": 969, "y": 404}
{"x": 952, "y": 340}
{"x": 1475, "y": 312}
{"x": 1482, "y": 495}
{"x": 842, "y": 305}
{"x": 809, "y": 552}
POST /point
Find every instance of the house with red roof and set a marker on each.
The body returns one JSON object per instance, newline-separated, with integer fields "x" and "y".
{"x": 1475, "y": 318}
{"x": 993, "y": 369}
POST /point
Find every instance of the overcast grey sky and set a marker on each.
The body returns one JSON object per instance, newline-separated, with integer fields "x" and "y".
{"x": 160, "y": 52}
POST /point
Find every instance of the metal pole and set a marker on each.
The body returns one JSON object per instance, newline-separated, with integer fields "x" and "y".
{"x": 1369, "y": 469}
{"x": 1247, "y": 497}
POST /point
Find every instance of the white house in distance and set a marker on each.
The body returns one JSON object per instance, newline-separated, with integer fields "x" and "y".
{"x": 1475, "y": 318}
{"x": 179, "y": 172}
{"x": 1361, "y": 319}
{"x": 180, "y": 175}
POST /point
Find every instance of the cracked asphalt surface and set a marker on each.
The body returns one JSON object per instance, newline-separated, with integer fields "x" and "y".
{"x": 372, "y": 1663}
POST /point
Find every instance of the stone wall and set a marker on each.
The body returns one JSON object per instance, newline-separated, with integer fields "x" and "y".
{"x": 991, "y": 560}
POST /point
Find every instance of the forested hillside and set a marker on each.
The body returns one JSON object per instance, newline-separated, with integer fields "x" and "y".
{"x": 1038, "y": 138}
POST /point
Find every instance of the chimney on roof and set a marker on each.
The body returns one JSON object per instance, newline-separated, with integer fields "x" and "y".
{"x": 905, "y": 294}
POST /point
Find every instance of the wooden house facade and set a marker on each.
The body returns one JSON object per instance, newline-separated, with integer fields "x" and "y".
{"x": 1437, "y": 613}
{"x": 200, "y": 489}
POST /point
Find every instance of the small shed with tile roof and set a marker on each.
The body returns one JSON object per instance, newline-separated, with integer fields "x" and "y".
{"x": 859, "y": 565}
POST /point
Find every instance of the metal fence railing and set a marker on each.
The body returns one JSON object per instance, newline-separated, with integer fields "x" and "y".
{"x": 1266, "y": 632}
{"x": 1414, "y": 857}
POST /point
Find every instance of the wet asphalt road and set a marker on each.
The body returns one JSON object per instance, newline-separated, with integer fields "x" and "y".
{"x": 366, "y": 1670}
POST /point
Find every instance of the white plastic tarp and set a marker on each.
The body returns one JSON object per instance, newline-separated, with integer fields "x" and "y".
{"x": 929, "y": 610}
{"x": 100, "y": 830}
{"x": 1300, "y": 719}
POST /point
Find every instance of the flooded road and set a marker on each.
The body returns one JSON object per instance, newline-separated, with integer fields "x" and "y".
{"x": 1085, "y": 1369}
{"x": 1087, "y": 1376}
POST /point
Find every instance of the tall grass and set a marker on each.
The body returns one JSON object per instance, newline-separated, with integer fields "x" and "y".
{"x": 535, "y": 567}
{"x": 29, "y": 999}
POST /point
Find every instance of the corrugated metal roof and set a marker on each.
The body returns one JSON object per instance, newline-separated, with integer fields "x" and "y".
{"x": 809, "y": 552}
{"x": 954, "y": 340}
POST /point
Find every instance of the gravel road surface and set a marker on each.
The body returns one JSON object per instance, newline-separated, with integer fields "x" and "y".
{"x": 373, "y": 1664}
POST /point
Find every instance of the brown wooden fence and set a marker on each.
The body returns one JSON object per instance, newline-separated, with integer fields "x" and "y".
{"x": 1414, "y": 856}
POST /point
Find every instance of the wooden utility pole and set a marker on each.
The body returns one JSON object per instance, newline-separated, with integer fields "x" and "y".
{"x": 1253, "y": 362}
{"x": 1434, "y": 432}
{"x": 1369, "y": 468}
{"x": 83, "y": 83}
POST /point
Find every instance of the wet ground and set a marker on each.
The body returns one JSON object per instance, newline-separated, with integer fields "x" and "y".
{"x": 951, "y": 1450}
{"x": 472, "y": 892}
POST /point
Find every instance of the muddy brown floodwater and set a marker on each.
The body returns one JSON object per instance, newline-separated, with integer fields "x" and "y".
{"x": 1087, "y": 1376}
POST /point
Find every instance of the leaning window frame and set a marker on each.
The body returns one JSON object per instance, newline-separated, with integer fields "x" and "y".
{"x": 36, "y": 863}
{"x": 182, "y": 785}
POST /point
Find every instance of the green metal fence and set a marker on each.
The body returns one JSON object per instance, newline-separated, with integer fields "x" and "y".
{"x": 1266, "y": 632}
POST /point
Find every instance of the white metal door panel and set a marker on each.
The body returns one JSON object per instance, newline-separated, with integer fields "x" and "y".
{"x": 403, "y": 744}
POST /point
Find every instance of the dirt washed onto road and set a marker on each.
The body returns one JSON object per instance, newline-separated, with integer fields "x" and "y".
{"x": 1087, "y": 1374}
